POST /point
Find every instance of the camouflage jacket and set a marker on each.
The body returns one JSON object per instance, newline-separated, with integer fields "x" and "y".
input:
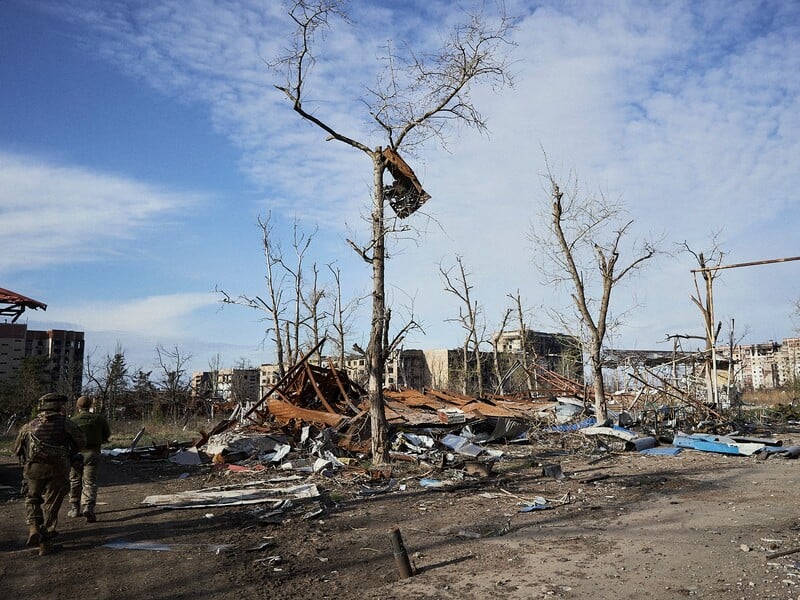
{"x": 94, "y": 427}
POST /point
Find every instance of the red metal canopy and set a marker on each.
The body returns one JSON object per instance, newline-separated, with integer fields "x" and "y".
{"x": 13, "y": 304}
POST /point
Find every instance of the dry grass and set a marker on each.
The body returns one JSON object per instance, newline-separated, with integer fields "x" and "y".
{"x": 768, "y": 397}
{"x": 123, "y": 432}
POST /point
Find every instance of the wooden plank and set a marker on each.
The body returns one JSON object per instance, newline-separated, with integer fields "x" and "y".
{"x": 339, "y": 383}
{"x": 317, "y": 391}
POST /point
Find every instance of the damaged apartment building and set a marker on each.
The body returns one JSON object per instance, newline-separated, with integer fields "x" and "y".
{"x": 57, "y": 354}
{"x": 439, "y": 369}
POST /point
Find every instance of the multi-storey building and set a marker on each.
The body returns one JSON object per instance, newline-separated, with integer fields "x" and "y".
{"x": 444, "y": 368}
{"x": 268, "y": 375}
{"x": 768, "y": 365}
{"x": 557, "y": 352}
{"x": 239, "y": 385}
{"x": 228, "y": 385}
{"x": 12, "y": 349}
{"x": 404, "y": 369}
{"x": 61, "y": 350}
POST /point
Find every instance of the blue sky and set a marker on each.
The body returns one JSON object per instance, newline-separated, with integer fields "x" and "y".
{"x": 140, "y": 142}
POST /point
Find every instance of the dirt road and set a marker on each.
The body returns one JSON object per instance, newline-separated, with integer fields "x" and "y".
{"x": 694, "y": 525}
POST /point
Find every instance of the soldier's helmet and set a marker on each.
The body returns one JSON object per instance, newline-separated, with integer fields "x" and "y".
{"x": 52, "y": 401}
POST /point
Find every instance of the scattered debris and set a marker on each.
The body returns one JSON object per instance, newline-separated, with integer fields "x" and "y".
{"x": 661, "y": 451}
{"x": 552, "y": 470}
{"x": 187, "y": 456}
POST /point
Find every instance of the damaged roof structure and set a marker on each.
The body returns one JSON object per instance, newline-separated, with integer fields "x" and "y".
{"x": 405, "y": 195}
{"x": 13, "y": 304}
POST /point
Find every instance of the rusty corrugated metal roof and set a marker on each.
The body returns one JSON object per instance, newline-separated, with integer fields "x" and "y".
{"x": 13, "y": 304}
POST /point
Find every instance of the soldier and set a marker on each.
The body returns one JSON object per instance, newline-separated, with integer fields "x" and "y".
{"x": 83, "y": 477}
{"x": 45, "y": 445}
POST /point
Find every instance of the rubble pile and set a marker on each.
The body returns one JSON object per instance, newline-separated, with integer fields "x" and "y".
{"x": 310, "y": 435}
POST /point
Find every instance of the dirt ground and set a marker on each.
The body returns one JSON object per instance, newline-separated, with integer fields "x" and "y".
{"x": 696, "y": 524}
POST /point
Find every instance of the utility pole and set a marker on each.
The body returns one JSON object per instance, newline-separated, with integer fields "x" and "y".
{"x": 708, "y": 275}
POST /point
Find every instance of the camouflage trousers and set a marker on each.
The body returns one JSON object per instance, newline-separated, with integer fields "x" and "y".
{"x": 83, "y": 481}
{"x": 45, "y": 489}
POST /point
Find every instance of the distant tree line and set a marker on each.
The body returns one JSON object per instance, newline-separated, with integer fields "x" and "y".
{"x": 162, "y": 393}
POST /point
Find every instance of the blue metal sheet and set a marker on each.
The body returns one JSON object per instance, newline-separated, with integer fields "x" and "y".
{"x": 715, "y": 443}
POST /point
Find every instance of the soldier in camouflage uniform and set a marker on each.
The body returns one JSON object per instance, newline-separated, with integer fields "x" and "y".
{"x": 83, "y": 477}
{"x": 45, "y": 446}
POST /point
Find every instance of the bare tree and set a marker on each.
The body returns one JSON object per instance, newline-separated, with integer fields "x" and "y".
{"x": 174, "y": 381}
{"x": 708, "y": 263}
{"x": 274, "y": 305}
{"x": 581, "y": 249}
{"x": 418, "y": 97}
{"x": 109, "y": 379}
{"x": 291, "y": 304}
{"x": 527, "y": 361}
{"x": 495, "y": 342}
{"x": 341, "y": 314}
{"x": 214, "y": 367}
{"x": 20, "y": 392}
{"x": 469, "y": 315}
{"x": 301, "y": 241}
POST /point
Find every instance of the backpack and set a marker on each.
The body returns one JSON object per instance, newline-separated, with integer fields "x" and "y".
{"x": 48, "y": 450}
{"x": 42, "y": 452}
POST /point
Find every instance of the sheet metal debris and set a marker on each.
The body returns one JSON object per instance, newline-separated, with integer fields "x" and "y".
{"x": 715, "y": 443}
{"x": 228, "y": 496}
{"x": 154, "y": 546}
{"x": 405, "y": 195}
{"x": 461, "y": 445}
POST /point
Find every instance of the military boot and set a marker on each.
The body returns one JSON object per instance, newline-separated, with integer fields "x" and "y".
{"x": 89, "y": 514}
{"x": 45, "y": 548}
{"x": 74, "y": 511}
{"x": 33, "y": 535}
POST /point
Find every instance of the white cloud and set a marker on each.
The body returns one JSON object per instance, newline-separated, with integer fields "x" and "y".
{"x": 188, "y": 321}
{"x": 157, "y": 315}
{"x": 52, "y": 214}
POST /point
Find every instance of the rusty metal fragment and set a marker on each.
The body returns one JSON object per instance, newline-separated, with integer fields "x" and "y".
{"x": 405, "y": 195}
{"x": 286, "y": 412}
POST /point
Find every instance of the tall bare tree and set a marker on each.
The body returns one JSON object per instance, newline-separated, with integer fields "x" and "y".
{"x": 301, "y": 241}
{"x": 581, "y": 250}
{"x": 495, "y": 342}
{"x": 526, "y": 351}
{"x": 341, "y": 314}
{"x": 272, "y": 303}
{"x": 418, "y": 97}
{"x": 708, "y": 263}
{"x": 214, "y": 366}
{"x": 456, "y": 280}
